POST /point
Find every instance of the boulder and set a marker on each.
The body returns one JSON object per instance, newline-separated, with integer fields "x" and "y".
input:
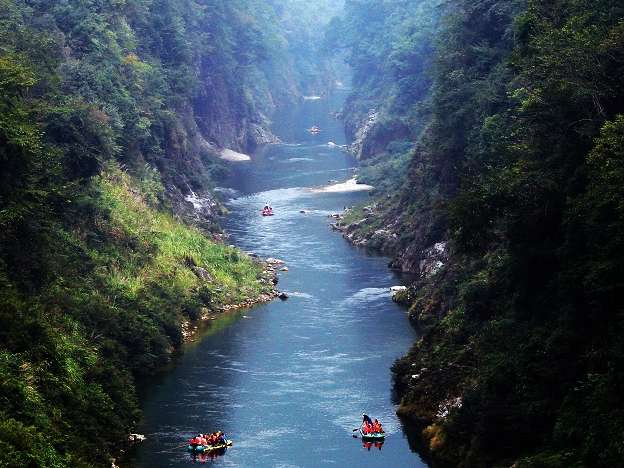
{"x": 202, "y": 273}
{"x": 274, "y": 261}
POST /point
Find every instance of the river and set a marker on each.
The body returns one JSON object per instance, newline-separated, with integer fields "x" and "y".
{"x": 288, "y": 380}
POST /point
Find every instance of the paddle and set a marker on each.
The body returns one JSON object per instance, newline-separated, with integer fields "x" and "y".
{"x": 180, "y": 446}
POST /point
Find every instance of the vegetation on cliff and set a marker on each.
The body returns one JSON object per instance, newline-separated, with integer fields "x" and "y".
{"x": 511, "y": 215}
{"x": 110, "y": 113}
{"x": 93, "y": 301}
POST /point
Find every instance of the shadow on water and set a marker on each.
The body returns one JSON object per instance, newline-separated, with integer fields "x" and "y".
{"x": 288, "y": 380}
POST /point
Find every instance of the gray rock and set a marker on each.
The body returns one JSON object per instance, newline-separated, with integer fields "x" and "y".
{"x": 274, "y": 261}
{"x": 202, "y": 273}
{"x": 433, "y": 259}
{"x": 136, "y": 438}
{"x": 363, "y": 131}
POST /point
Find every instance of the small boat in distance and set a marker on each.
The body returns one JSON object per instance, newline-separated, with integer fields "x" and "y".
{"x": 314, "y": 130}
{"x": 267, "y": 211}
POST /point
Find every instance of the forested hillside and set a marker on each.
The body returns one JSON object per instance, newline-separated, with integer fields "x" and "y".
{"x": 510, "y": 214}
{"x": 111, "y": 112}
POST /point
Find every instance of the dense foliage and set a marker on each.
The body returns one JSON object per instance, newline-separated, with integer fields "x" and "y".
{"x": 516, "y": 180}
{"x": 389, "y": 47}
{"x": 111, "y": 111}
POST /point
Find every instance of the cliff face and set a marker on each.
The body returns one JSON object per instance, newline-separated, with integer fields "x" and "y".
{"x": 112, "y": 116}
{"x": 225, "y": 117}
{"x": 506, "y": 213}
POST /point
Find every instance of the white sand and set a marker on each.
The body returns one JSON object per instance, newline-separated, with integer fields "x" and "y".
{"x": 350, "y": 185}
{"x": 231, "y": 155}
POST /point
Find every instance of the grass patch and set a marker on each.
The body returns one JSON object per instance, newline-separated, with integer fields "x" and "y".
{"x": 152, "y": 247}
{"x": 120, "y": 277}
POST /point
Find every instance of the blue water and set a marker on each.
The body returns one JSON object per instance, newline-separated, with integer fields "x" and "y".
{"x": 287, "y": 381}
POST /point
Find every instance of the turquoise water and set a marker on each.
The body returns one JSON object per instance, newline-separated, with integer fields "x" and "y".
{"x": 287, "y": 381}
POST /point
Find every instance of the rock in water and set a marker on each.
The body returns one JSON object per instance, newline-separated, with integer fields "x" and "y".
{"x": 397, "y": 289}
{"x": 274, "y": 261}
{"x": 136, "y": 438}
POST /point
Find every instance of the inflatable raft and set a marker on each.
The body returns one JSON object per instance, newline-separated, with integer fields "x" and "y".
{"x": 208, "y": 448}
{"x": 376, "y": 436}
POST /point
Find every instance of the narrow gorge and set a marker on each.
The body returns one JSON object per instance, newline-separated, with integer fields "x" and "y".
{"x": 444, "y": 250}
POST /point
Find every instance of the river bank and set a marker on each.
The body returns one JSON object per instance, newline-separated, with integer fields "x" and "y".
{"x": 430, "y": 385}
{"x": 268, "y": 279}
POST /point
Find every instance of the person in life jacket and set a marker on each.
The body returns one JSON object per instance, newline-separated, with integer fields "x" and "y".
{"x": 195, "y": 441}
{"x": 367, "y": 428}
{"x": 377, "y": 427}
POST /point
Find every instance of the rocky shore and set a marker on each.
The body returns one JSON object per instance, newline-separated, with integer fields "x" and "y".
{"x": 269, "y": 280}
{"x": 429, "y": 389}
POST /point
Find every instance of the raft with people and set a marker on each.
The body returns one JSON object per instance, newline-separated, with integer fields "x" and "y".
{"x": 267, "y": 210}
{"x": 371, "y": 430}
{"x": 203, "y": 443}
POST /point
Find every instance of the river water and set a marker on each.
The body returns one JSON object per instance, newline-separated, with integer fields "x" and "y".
{"x": 288, "y": 381}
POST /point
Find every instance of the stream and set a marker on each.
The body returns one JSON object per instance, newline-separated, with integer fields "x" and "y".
{"x": 288, "y": 380}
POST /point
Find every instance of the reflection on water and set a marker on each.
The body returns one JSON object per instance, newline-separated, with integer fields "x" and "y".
{"x": 369, "y": 445}
{"x": 205, "y": 457}
{"x": 288, "y": 381}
